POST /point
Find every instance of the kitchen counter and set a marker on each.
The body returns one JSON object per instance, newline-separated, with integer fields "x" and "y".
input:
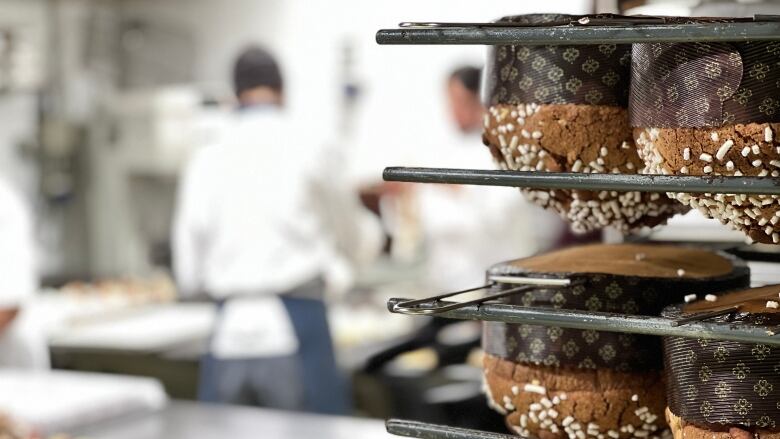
{"x": 181, "y": 420}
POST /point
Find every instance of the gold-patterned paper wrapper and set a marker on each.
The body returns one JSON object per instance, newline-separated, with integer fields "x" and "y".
{"x": 704, "y": 84}
{"x": 724, "y": 383}
{"x": 588, "y": 349}
{"x": 582, "y": 74}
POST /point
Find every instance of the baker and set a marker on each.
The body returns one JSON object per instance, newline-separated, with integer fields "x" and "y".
{"x": 257, "y": 231}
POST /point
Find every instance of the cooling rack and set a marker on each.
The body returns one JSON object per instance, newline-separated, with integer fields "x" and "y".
{"x": 620, "y": 30}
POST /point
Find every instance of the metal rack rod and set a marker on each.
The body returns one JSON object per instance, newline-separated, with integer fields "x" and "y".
{"x": 571, "y": 35}
{"x": 602, "y": 321}
{"x": 597, "y": 182}
{"x": 422, "y": 430}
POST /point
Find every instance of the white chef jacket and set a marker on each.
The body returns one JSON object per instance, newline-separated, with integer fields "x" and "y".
{"x": 257, "y": 217}
{"x": 22, "y": 345}
{"x": 468, "y": 228}
{"x": 244, "y": 222}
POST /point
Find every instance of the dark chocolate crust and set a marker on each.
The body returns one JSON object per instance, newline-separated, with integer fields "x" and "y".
{"x": 592, "y": 75}
{"x": 553, "y": 346}
{"x": 719, "y": 383}
{"x": 704, "y": 84}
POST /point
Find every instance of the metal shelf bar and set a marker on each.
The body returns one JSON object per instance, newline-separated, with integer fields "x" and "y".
{"x": 597, "y": 182}
{"x": 572, "y": 35}
{"x": 602, "y": 321}
{"x": 422, "y": 430}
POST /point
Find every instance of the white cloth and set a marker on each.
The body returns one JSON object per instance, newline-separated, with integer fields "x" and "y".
{"x": 252, "y": 327}
{"x": 22, "y": 345}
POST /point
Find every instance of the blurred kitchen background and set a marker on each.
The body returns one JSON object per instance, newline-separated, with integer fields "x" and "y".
{"x": 102, "y": 102}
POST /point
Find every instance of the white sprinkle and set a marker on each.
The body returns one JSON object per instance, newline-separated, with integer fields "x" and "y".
{"x": 724, "y": 149}
{"x": 567, "y": 421}
{"x": 687, "y": 154}
{"x": 525, "y": 134}
{"x": 730, "y": 165}
{"x": 684, "y": 170}
{"x": 542, "y": 415}
{"x": 756, "y": 163}
{"x": 603, "y": 152}
{"x": 576, "y": 426}
{"x": 563, "y": 396}
{"x": 533, "y": 388}
{"x": 714, "y": 136}
{"x": 523, "y": 420}
{"x": 776, "y": 238}
{"x": 707, "y": 169}
{"x": 690, "y": 298}
{"x": 546, "y": 402}
{"x": 768, "y": 134}
{"x": 553, "y": 413}
{"x": 535, "y": 407}
{"x": 556, "y": 400}
{"x": 580, "y": 434}
{"x": 537, "y": 135}
{"x": 642, "y": 433}
{"x": 577, "y": 166}
{"x": 641, "y": 410}
{"x": 635, "y": 397}
{"x": 613, "y": 434}
{"x": 680, "y": 272}
{"x": 706, "y": 157}
{"x": 745, "y": 151}
{"x": 775, "y": 163}
{"x": 710, "y": 298}
{"x": 515, "y": 390}
{"x": 756, "y": 150}
{"x": 625, "y": 145}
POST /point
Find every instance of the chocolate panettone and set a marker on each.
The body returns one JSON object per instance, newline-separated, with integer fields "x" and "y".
{"x": 564, "y": 109}
{"x": 553, "y": 382}
{"x": 711, "y": 109}
{"x": 721, "y": 389}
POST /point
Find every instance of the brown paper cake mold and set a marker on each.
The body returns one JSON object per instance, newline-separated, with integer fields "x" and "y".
{"x": 608, "y": 384}
{"x": 725, "y": 389}
{"x": 564, "y": 109}
{"x": 712, "y": 109}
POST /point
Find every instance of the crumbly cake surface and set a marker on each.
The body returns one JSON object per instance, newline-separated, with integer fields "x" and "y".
{"x": 575, "y": 138}
{"x": 751, "y": 149}
{"x": 559, "y": 403}
{"x": 685, "y": 430}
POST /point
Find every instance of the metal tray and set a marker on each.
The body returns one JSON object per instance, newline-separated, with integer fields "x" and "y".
{"x": 597, "y": 182}
{"x": 767, "y": 29}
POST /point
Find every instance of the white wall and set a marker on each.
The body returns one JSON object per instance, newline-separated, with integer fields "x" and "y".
{"x": 402, "y": 108}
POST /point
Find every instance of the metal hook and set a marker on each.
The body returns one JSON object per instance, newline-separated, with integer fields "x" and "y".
{"x": 412, "y": 307}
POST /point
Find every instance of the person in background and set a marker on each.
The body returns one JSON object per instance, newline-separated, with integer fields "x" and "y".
{"x": 463, "y": 98}
{"x": 468, "y": 228}
{"x": 22, "y": 345}
{"x": 255, "y": 229}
